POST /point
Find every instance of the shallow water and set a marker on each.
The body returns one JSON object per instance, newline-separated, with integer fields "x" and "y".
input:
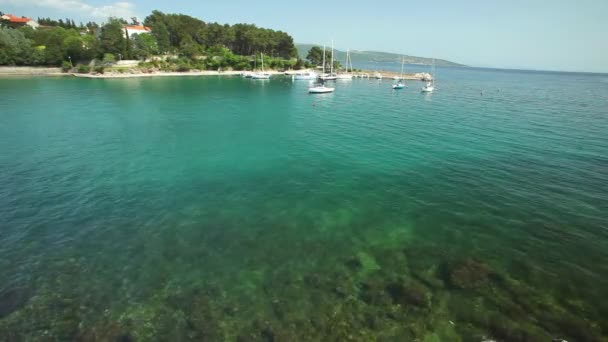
{"x": 212, "y": 208}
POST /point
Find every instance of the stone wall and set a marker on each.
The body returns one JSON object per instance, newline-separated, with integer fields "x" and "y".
{"x": 21, "y": 70}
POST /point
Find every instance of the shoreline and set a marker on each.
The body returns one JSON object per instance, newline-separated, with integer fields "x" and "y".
{"x": 21, "y": 71}
{"x": 30, "y": 71}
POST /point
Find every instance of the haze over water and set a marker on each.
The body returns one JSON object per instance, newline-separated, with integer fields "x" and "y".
{"x": 217, "y": 208}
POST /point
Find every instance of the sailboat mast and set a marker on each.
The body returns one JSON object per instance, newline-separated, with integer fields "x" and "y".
{"x": 346, "y": 63}
{"x": 401, "y": 67}
{"x": 433, "y": 70}
{"x": 323, "y": 59}
{"x": 331, "y": 67}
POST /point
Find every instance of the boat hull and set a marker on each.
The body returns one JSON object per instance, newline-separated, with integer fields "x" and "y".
{"x": 320, "y": 90}
{"x": 305, "y": 77}
{"x": 345, "y": 77}
{"x": 260, "y": 77}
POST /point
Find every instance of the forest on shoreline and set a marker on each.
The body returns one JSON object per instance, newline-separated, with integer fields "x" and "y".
{"x": 180, "y": 43}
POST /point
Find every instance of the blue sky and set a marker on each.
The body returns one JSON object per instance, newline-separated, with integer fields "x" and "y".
{"x": 534, "y": 34}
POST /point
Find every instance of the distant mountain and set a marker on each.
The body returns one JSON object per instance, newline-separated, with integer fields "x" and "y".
{"x": 376, "y": 56}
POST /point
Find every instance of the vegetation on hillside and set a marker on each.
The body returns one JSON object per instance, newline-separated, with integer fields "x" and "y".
{"x": 315, "y": 57}
{"x": 375, "y": 56}
{"x": 180, "y": 40}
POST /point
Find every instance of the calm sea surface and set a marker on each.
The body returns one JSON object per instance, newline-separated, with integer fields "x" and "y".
{"x": 218, "y": 208}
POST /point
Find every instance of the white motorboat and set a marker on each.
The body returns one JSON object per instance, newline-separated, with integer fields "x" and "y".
{"x": 399, "y": 85}
{"x": 320, "y": 89}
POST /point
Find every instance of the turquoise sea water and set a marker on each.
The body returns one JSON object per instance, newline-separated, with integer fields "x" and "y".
{"x": 218, "y": 208}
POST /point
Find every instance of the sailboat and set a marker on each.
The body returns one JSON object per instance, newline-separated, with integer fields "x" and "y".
{"x": 321, "y": 89}
{"x": 331, "y": 76}
{"x": 430, "y": 85}
{"x": 400, "y": 84}
{"x": 346, "y": 76}
{"x": 261, "y": 75}
{"x": 377, "y": 74}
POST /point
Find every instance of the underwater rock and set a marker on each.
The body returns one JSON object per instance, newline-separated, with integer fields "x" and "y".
{"x": 362, "y": 263}
{"x": 11, "y": 300}
{"x": 409, "y": 294}
{"x": 579, "y": 329}
{"x": 505, "y": 329}
{"x": 469, "y": 274}
{"x": 354, "y": 264}
{"x": 374, "y": 292}
{"x": 267, "y": 335}
{"x": 314, "y": 280}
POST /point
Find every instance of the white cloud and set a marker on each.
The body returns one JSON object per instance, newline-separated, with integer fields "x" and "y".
{"x": 118, "y": 9}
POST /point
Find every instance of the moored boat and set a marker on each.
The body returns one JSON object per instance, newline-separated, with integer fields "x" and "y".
{"x": 305, "y": 76}
{"x": 430, "y": 84}
{"x": 320, "y": 89}
{"x": 261, "y": 75}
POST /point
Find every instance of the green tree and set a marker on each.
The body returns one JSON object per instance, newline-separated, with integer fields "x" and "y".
{"x": 144, "y": 45}
{"x": 112, "y": 38}
{"x": 52, "y": 40}
{"x": 38, "y": 56}
{"x": 75, "y": 48}
{"x": 15, "y": 48}
{"x": 189, "y": 48}
{"x": 299, "y": 64}
{"x": 161, "y": 34}
{"x": 315, "y": 55}
{"x": 108, "y": 58}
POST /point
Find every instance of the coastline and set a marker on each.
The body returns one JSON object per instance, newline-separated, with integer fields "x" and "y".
{"x": 6, "y": 71}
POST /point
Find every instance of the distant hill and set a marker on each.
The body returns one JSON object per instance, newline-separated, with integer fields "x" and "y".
{"x": 376, "y": 56}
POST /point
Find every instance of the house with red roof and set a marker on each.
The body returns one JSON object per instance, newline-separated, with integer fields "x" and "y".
{"x": 20, "y": 21}
{"x": 136, "y": 29}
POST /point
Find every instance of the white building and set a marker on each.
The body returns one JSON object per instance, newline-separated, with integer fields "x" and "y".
{"x": 17, "y": 21}
{"x": 136, "y": 29}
